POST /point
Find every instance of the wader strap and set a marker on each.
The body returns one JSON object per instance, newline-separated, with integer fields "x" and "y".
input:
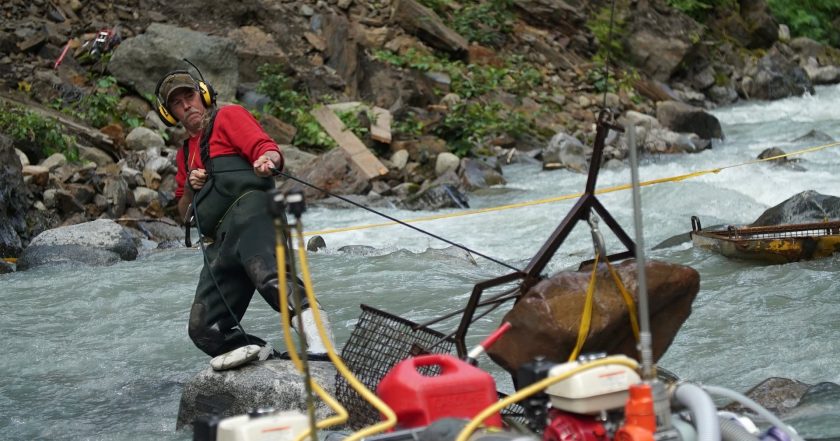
{"x": 204, "y": 144}
{"x": 188, "y": 220}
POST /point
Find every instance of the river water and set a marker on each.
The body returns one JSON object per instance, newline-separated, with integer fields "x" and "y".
{"x": 103, "y": 354}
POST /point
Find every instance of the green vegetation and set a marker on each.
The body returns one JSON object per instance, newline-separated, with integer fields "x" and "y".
{"x": 467, "y": 123}
{"x": 26, "y": 126}
{"x": 608, "y": 37}
{"x": 700, "y": 10}
{"x": 294, "y": 108}
{"x": 809, "y": 18}
{"x": 487, "y": 22}
{"x": 98, "y": 108}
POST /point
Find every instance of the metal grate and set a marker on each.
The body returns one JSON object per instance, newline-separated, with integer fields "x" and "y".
{"x": 378, "y": 342}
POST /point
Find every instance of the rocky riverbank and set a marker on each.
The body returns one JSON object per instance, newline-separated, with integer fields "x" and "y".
{"x": 441, "y": 106}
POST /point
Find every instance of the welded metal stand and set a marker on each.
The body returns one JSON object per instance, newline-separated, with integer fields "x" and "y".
{"x": 580, "y": 212}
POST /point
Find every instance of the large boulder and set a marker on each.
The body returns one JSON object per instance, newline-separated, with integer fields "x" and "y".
{"x": 331, "y": 171}
{"x": 791, "y": 399}
{"x": 762, "y": 28}
{"x": 546, "y": 319}
{"x": 273, "y": 383}
{"x": 142, "y": 60}
{"x": 808, "y": 206}
{"x": 775, "y": 76}
{"x": 13, "y": 200}
{"x": 476, "y": 174}
{"x": 684, "y": 118}
{"x": 565, "y": 151}
{"x": 100, "y": 242}
{"x": 658, "y": 40}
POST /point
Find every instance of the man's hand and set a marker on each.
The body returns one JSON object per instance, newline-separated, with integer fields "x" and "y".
{"x": 197, "y": 178}
{"x": 266, "y": 162}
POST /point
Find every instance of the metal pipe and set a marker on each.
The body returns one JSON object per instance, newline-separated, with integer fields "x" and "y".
{"x": 645, "y": 346}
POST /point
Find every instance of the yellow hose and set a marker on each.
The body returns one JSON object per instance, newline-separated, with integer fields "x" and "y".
{"x": 535, "y": 388}
{"x": 358, "y": 386}
{"x": 285, "y": 322}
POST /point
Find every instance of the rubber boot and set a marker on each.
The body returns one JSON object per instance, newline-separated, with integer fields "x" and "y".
{"x": 316, "y": 348}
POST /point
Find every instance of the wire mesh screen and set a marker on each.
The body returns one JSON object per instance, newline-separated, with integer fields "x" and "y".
{"x": 379, "y": 341}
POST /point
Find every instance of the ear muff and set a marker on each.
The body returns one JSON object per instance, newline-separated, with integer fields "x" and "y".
{"x": 208, "y": 95}
{"x": 165, "y": 116}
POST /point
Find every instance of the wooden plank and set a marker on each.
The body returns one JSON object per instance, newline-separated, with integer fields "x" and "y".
{"x": 380, "y": 127}
{"x": 355, "y": 149}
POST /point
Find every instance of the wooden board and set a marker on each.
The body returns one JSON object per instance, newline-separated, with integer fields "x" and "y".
{"x": 356, "y": 151}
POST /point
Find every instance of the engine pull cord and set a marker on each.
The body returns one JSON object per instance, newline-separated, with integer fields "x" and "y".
{"x": 277, "y": 207}
{"x": 389, "y": 415}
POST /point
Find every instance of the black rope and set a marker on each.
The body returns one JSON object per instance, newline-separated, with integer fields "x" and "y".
{"x": 391, "y": 218}
{"x": 609, "y": 51}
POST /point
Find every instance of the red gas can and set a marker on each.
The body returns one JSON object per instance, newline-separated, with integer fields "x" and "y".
{"x": 460, "y": 391}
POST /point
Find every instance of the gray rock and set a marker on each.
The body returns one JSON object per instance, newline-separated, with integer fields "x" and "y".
{"x": 162, "y": 230}
{"x": 144, "y": 196}
{"x": 565, "y": 151}
{"x": 54, "y": 161}
{"x": 316, "y": 243}
{"x": 399, "y": 159}
{"x": 142, "y": 60}
{"x": 13, "y": 200}
{"x": 101, "y": 242}
{"x": 153, "y": 121}
{"x": 808, "y": 206}
{"x": 24, "y": 160}
{"x": 446, "y": 162}
{"x": 476, "y": 174}
{"x": 775, "y": 394}
{"x": 681, "y": 117}
{"x": 273, "y": 383}
{"x": 94, "y": 155}
{"x": 142, "y": 138}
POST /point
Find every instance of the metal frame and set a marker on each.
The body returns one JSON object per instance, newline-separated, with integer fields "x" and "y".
{"x": 580, "y": 212}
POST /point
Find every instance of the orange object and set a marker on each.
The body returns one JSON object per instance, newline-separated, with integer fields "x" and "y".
{"x": 460, "y": 391}
{"x": 639, "y": 415}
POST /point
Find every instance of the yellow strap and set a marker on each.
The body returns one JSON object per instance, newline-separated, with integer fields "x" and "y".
{"x": 612, "y": 189}
{"x": 586, "y": 316}
{"x": 10, "y": 259}
{"x": 628, "y": 299}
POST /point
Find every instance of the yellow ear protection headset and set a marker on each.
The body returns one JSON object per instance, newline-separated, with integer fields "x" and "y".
{"x": 208, "y": 94}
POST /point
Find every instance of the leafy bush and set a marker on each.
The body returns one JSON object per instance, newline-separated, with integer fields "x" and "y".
{"x": 608, "y": 36}
{"x": 700, "y": 10}
{"x": 292, "y": 107}
{"x": 809, "y": 18}
{"x": 98, "y": 108}
{"x": 26, "y": 126}
{"x": 485, "y": 22}
{"x": 467, "y": 124}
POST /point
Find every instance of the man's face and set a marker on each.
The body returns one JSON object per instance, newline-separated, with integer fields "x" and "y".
{"x": 186, "y": 106}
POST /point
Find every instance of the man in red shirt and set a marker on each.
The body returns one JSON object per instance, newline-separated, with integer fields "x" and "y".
{"x": 224, "y": 171}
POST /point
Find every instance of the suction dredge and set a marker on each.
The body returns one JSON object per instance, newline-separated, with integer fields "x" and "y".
{"x": 424, "y": 393}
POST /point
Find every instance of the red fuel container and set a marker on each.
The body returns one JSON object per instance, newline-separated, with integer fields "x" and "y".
{"x": 460, "y": 391}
